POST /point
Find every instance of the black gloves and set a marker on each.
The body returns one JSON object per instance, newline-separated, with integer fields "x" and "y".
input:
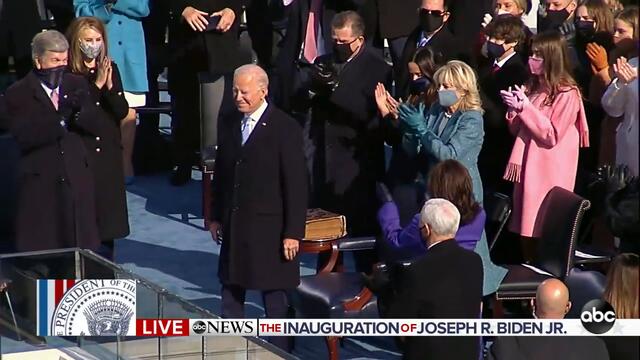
{"x": 70, "y": 105}
{"x": 324, "y": 78}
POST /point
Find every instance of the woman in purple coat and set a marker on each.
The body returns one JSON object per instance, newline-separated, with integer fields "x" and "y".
{"x": 449, "y": 180}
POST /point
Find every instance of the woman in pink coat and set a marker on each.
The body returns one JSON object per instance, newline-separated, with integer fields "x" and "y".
{"x": 547, "y": 117}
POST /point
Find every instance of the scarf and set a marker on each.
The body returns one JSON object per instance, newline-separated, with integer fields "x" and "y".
{"x": 514, "y": 167}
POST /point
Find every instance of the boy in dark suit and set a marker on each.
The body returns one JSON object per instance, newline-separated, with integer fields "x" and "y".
{"x": 445, "y": 283}
{"x": 504, "y": 67}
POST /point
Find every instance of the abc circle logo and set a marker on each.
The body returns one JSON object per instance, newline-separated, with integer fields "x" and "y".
{"x": 199, "y": 327}
{"x": 598, "y": 316}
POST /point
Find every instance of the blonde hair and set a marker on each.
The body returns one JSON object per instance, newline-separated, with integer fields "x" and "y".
{"x": 629, "y": 15}
{"x": 461, "y": 76}
{"x": 521, "y": 4}
{"x": 622, "y": 286}
{"x": 74, "y": 33}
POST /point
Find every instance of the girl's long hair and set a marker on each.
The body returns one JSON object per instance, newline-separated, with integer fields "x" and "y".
{"x": 74, "y": 33}
{"x": 557, "y": 78}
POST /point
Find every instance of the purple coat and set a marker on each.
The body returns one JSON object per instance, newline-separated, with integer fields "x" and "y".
{"x": 405, "y": 244}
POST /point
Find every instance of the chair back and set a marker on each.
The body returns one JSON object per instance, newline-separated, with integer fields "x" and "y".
{"x": 584, "y": 286}
{"x": 497, "y": 206}
{"x": 559, "y": 219}
{"x": 212, "y": 90}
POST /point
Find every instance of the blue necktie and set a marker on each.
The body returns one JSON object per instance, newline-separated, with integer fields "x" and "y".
{"x": 247, "y": 125}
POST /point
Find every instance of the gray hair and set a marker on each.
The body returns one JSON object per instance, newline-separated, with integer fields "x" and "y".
{"x": 50, "y": 40}
{"x": 442, "y": 217}
{"x": 255, "y": 72}
{"x": 351, "y": 19}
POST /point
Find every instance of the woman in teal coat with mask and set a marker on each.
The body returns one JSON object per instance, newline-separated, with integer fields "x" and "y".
{"x": 452, "y": 129}
{"x": 123, "y": 19}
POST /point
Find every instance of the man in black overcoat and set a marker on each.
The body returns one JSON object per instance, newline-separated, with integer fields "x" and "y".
{"x": 445, "y": 283}
{"x": 193, "y": 49}
{"x": 45, "y": 113}
{"x": 260, "y": 199}
{"x": 287, "y": 86}
{"x": 345, "y": 127}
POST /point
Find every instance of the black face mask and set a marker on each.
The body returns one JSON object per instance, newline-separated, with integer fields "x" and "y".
{"x": 51, "y": 77}
{"x": 419, "y": 85}
{"x": 585, "y": 29}
{"x": 342, "y": 52}
{"x": 429, "y": 22}
{"x": 553, "y": 20}
{"x": 494, "y": 51}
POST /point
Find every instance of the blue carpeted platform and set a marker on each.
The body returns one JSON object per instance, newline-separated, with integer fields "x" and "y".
{"x": 169, "y": 246}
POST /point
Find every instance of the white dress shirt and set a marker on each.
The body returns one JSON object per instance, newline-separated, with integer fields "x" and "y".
{"x": 250, "y": 120}
{"x": 49, "y": 90}
{"x": 503, "y": 61}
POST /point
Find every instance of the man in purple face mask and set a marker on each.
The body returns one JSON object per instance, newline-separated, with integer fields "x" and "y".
{"x": 557, "y": 15}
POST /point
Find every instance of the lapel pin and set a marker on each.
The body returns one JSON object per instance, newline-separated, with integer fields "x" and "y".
{"x": 264, "y": 124}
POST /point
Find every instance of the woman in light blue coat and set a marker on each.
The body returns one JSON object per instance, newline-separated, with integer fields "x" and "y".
{"x": 123, "y": 19}
{"x": 452, "y": 129}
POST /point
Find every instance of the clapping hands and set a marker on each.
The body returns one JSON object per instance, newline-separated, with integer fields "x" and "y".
{"x": 104, "y": 76}
{"x": 412, "y": 118}
{"x": 387, "y": 105}
{"x": 597, "y": 56}
{"x": 624, "y": 71}
{"x": 486, "y": 20}
{"x": 514, "y": 99}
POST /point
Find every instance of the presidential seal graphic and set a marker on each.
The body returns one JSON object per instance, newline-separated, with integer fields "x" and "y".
{"x": 96, "y": 308}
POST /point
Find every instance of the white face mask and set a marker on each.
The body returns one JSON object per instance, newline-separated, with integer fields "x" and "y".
{"x": 90, "y": 50}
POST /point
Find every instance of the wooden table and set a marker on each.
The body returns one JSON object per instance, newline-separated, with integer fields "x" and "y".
{"x": 322, "y": 247}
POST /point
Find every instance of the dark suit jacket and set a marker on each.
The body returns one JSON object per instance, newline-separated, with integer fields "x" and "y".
{"x": 260, "y": 198}
{"x": 56, "y": 206}
{"x": 444, "y": 283}
{"x": 466, "y": 18}
{"x": 62, "y": 11}
{"x": 498, "y": 140}
{"x": 19, "y": 23}
{"x": 191, "y": 52}
{"x": 622, "y": 347}
{"x": 443, "y": 41}
{"x": 551, "y": 348}
{"x": 397, "y": 18}
{"x": 286, "y": 82}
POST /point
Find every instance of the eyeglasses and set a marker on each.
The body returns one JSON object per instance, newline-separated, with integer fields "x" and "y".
{"x": 432, "y": 12}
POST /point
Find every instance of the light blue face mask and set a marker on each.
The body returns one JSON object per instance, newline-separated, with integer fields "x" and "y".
{"x": 447, "y": 97}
